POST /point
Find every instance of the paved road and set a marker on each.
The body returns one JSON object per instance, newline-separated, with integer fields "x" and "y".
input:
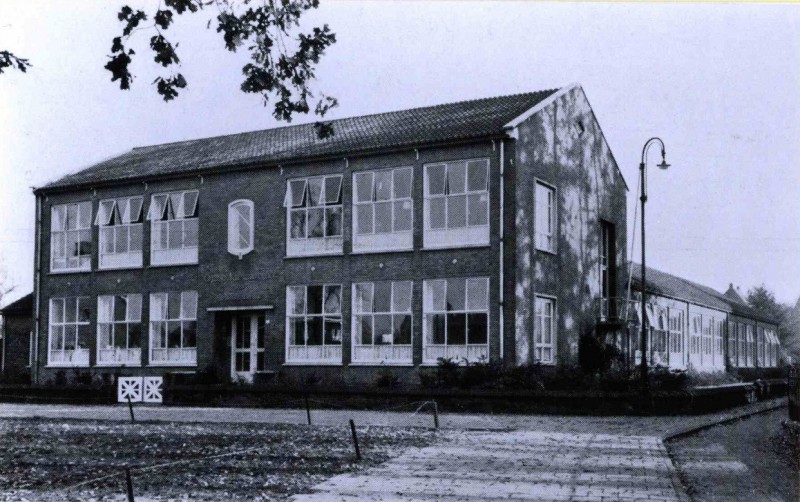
{"x": 404, "y": 417}
{"x": 751, "y": 459}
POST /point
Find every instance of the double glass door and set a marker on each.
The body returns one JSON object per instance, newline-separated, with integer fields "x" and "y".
{"x": 247, "y": 346}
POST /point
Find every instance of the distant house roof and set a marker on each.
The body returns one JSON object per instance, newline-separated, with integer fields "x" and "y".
{"x": 23, "y": 306}
{"x": 662, "y": 283}
{"x": 460, "y": 121}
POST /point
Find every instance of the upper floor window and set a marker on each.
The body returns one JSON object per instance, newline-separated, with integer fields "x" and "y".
{"x": 456, "y": 209}
{"x": 69, "y": 331}
{"x": 174, "y": 228}
{"x": 119, "y": 329}
{"x": 456, "y": 324}
{"x": 382, "y": 209}
{"x": 382, "y": 322}
{"x": 314, "y": 215}
{"x": 545, "y": 217}
{"x": 120, "y": 222}
{"x": 544, "y": 331}
{"x": 71, "y": 237}
{"x": 173, "y": 328}
{"x": 314, "y": 324}
{"x": 240, "y": 227}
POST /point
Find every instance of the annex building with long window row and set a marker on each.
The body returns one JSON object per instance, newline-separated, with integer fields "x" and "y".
{"x": 484, "y": 230}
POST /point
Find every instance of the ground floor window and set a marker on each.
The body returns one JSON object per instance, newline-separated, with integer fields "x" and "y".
{"x": 382, "y": 322}
{"x": 741, "y": 356}
{"x": 675, "y": 331}
{"x": 69, "y": 331}
{"x": 119, "y": 330}
{"x": 694, "y": 340}
{"x": 544, "y": 330}
{"x": 751, "y": 346}
{"x": 314, "y": 324}
{"x": 456, "y": 313}
{"x": 173, "y": 328}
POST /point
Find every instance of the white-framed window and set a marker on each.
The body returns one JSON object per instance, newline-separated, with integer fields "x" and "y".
{"x": 742, "y": 353}
{"x": 545, "y": 217}
{"x": 708, "y": 324}
{"x": 732, "y": 343}
{"x": 240, "y": 227}
{"x": 382, "y": 322}
{"x": 314, "y": 215}
{"x": 456, "y": 319}
{"x": 762, "y": 348}
{"x": 719, "y": 327}
{"x": 174, "y": 226}
{"x": 173, "y": 328}
{"x": 751, "y": 345}
{"x": 120, "y": 222}
{"x": 314, "y": 324}
{"x": 544, "y": 331}
{"x": 119, "y": 330}
{"x": 456, "y": 208}
{"x": 675, "y": 330}
{"x": 71, "y": 237}
{"x": 69, "y": 331}
{"x": 697, "y": 329}
{"x": 383, "y": 209}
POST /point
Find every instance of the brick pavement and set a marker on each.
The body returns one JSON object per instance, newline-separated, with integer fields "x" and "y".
{"x": 519, "y": 465}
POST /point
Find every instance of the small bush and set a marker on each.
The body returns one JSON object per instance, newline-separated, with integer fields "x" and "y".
{"x": 60, "y": 379}
{"x": 387, "y": 380}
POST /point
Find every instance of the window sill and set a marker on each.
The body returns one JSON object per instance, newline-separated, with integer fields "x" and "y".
{"x": 66, "y": 365}
{"x": 71, "y": 271}
{"x": 382, "y": 251}
{"x": 552, "y": 252}
{"x": 113, "y": 269}
{"x": 165, "y": 265}
{"x": 171, "y": 364}
{"x": 381, "y": 364}
{"x": 313, "y": 255}
{"x": 455, "y": 246}
{"x": 312, "y": 363}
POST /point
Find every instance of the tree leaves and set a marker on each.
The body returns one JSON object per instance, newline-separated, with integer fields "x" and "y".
{"x": 282, "y": 64}
{"x": 168, "y": 88}
{"x": 165, "y": 53}
{"x": 9, "y": 60}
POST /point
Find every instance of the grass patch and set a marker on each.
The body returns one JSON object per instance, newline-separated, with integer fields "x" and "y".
{"x": 41, "y": 458}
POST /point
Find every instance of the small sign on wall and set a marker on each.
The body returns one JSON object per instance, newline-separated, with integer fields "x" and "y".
{"x": 140, "y": 389}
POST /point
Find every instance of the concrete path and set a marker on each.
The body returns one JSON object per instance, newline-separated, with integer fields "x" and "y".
{"x": 519, "y": 465}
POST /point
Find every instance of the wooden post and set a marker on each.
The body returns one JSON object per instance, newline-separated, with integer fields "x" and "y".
{"x": 308, "y": 410}
{"x": 130, "y": 408}
{"x": 435, "y": 415}
{"x": 355, "y": 439}
{"x": 129, "y": 485}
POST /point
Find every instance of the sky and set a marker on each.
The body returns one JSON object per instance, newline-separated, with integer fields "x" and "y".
{"x": 719, "y": 83}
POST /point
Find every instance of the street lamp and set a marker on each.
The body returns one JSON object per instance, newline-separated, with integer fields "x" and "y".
{"x": 643, "y": 198}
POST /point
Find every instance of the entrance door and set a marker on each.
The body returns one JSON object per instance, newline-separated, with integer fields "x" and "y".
{"x": 247, "y": 346}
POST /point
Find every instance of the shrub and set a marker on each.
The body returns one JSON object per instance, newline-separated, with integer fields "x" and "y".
{"x": 60, "y": 379}
{"x": 387, "y": 380}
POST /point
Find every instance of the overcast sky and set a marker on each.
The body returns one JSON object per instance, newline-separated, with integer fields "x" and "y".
{"x": 720, "y": 83}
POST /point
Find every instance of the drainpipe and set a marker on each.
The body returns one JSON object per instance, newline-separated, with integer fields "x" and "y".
{"x": 37, "y": 286}
{"x": 502, "y": 247}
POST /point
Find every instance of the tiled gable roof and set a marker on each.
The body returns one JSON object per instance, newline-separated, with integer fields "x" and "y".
{"x": 406, "y": 128}
{"x": 662, "y": 283}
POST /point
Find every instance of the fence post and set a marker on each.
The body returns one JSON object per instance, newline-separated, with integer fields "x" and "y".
{"x": 355, "y": 439}
{"x": 308, "y": 410}
{"x": 129, "y": 485}
{"x": 130, "y": 408}
{"x": 435, "y": 415}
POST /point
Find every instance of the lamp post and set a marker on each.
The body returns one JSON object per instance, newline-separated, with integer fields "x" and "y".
{"x": 643, "y": 199}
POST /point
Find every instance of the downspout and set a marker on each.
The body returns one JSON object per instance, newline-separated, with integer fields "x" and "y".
{"x": 3, "y": 349}
{"x": 37, "y": 286}
{"x": 502, "y": 248}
